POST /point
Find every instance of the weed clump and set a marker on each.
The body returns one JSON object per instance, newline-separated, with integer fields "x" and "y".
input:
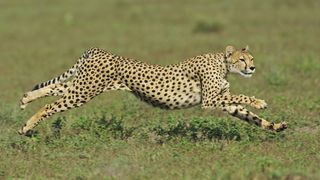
{"x": 208, "y": 27}
{"x": 103, "y": 126}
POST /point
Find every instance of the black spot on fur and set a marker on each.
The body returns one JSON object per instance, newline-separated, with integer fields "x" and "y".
{"x": 235, "y": 112}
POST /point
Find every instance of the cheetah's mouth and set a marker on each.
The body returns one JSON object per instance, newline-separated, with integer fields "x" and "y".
{"x": 246, "y": 74}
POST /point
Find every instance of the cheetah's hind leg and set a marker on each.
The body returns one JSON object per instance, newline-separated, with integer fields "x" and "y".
{"x": 62, "y": 104}
{"x": 71, "y": 99}
{"x": 50, "y": 90}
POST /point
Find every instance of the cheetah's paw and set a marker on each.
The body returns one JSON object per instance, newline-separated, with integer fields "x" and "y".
{"x": 23, "y": 102}
{"x": 259, "y": 103}
{"x": 278, "y": 126}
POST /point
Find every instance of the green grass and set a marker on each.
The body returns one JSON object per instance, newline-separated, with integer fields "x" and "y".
{"x": 116, "y": 136}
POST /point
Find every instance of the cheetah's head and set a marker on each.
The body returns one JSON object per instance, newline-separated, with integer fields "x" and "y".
{"x": 239, "y": 61}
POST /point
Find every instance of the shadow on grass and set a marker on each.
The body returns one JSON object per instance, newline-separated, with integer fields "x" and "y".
{"x": 198, "y": 130}
{"x": 193, "y": 129}
{"x": 86, "y": 131}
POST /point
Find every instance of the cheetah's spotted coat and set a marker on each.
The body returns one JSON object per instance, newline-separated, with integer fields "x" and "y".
{"x": 199, "y": 80}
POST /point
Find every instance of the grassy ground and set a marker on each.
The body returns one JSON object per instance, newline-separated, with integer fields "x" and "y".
{"x": 117, "y": 136}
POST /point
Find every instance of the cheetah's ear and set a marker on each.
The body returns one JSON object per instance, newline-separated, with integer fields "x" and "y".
{"x": 246, "y": 49}
{"x": 229, "y": 51}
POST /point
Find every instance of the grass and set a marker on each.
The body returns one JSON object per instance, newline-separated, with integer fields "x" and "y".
{"x": 116, "y": 136}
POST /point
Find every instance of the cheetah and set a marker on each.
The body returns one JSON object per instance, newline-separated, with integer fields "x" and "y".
{"x": 198, "y": 80}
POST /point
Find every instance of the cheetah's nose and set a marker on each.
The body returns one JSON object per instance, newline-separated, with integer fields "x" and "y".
{"x": 252, "y": 68}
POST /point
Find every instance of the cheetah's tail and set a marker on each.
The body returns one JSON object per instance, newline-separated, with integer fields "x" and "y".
{"x": 66, "y": 75}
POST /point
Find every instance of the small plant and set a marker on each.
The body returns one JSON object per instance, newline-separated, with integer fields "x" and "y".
{"x": 115, "y": 126}
{"x": 208, "y": 27}
{"x": 2, "y": 173}
{"x": 57, "y": 126}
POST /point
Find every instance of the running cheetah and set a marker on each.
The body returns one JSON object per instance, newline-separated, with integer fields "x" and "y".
{"x": 198, "y": 80}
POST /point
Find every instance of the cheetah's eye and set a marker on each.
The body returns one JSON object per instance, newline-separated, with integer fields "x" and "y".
{"x": 242, "y": 60}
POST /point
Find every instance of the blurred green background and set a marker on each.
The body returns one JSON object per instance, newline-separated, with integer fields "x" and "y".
{"x": 116, "y": 136}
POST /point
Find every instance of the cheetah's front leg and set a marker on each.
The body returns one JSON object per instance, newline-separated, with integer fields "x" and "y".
{"x": 228, "y": 99}
{"x": 243, "y": 114}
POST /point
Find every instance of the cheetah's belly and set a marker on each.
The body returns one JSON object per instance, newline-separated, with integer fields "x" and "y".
{"x": 188, "y": 100}
{"x": 171, "y": 95}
